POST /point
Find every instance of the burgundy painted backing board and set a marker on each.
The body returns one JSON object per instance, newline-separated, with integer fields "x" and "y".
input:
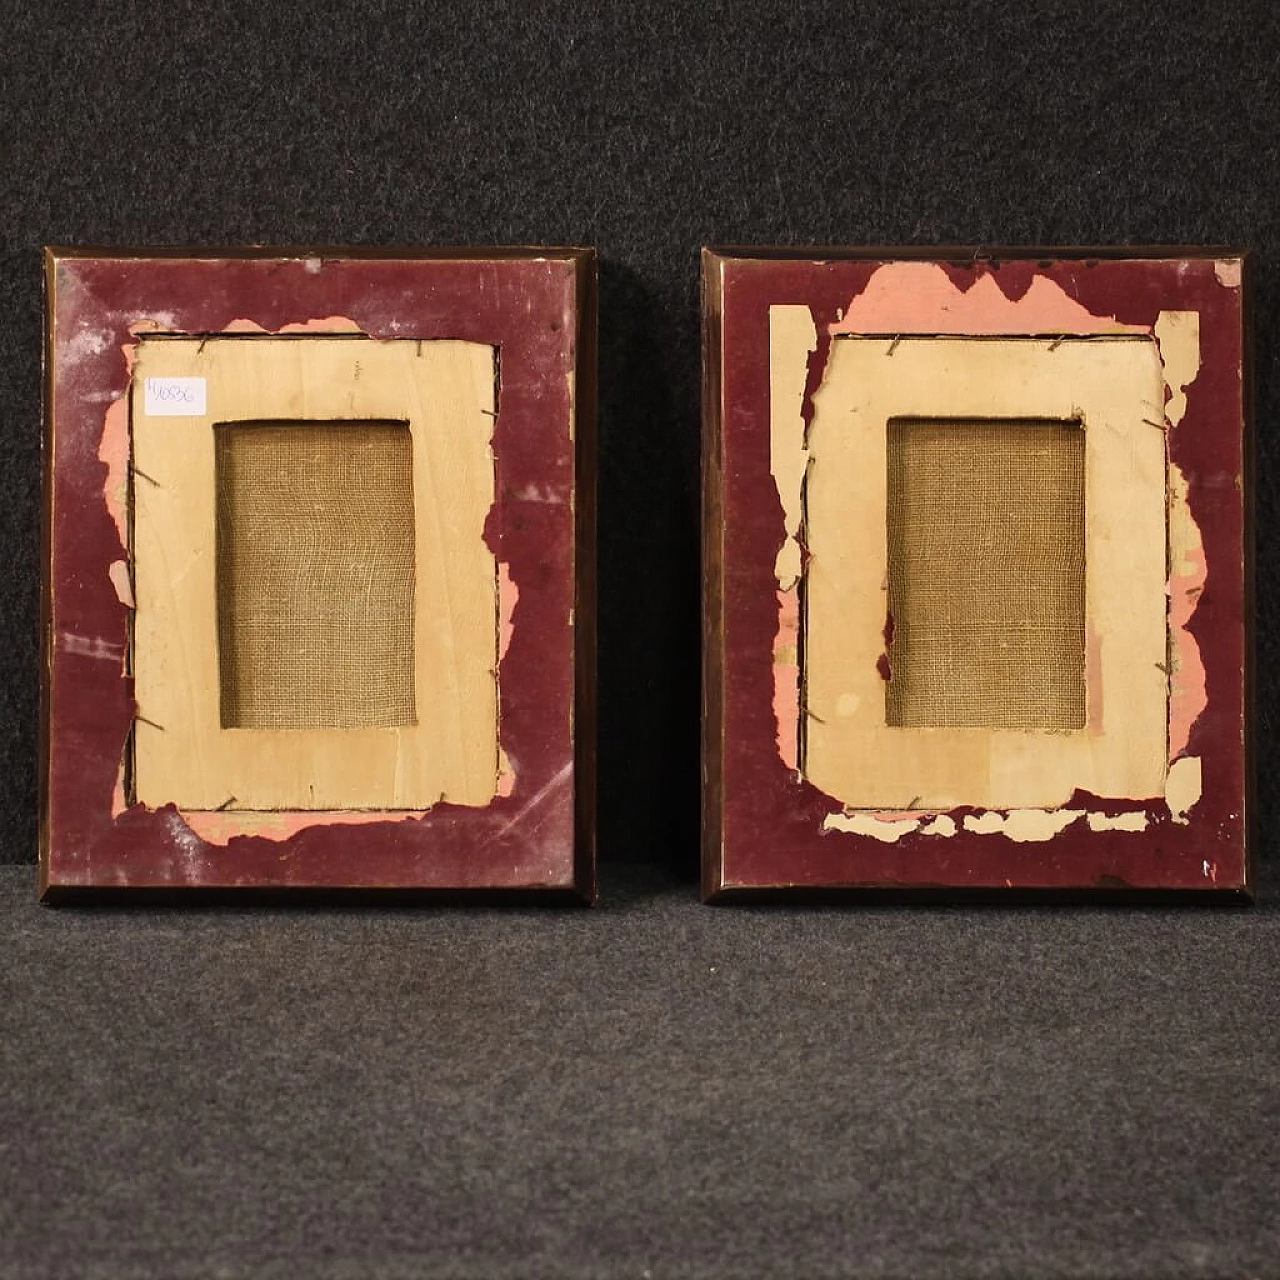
{"x": 537, "y": 306}
{"x": 766, "y": 830}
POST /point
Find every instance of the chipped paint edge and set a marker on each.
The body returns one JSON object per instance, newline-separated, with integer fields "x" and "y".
{"x": 1177, "y": 335}
{"x": 793, "y": 340}
{"x": 920, "y": 298}
{"x": 115, "y": 453}
{"x": 1023, "y": 826}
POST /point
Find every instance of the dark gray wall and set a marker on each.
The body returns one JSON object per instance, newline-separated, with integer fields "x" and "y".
{"x": 647, "y": 130}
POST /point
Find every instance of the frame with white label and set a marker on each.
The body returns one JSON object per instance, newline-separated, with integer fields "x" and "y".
{"x": 319, "y": 572}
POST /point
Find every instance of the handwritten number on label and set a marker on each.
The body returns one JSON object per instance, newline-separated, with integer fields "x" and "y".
{"x": 169, "y": 393}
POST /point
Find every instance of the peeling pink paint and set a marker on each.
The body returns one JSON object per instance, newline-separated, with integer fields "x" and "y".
{"x": 113, "y": 453}
{"x": 1188, "y": 694}
{"x": 221, "y": 826}
{"x": 506, "y": 776}
{"x": 920, "y": 298}
{"x": 118, "y": 801}
{"x": 508, "y": 598}
{"x": 786, "y": 678}
{"x": 119, "y": 575}
{"x": 329, "y": 324}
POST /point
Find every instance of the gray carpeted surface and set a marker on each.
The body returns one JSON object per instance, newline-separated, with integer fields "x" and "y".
{"x": 654, "y": 1089}
{"x": 648, "y": 129}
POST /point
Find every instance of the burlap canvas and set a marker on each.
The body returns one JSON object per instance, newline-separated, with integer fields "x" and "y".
{"x": 315, "y": 548}
{"x": 986, "y": 573}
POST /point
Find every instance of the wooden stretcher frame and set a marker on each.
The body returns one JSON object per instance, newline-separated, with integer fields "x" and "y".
{"x": 527, "y": 313}
{"x": 768, "y": 829}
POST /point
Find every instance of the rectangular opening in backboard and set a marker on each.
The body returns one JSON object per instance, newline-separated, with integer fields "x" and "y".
{"x": 315, "y": 574}
{"x": 986, "y": 569}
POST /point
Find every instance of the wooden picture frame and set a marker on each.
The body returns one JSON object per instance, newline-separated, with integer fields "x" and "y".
{"x": 319, "y": 577}
{"x": 977, "y": 558}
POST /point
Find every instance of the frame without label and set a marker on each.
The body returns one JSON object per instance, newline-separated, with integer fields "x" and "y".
{"x": 976, "y": 551}
{"x": 319, "y": 566}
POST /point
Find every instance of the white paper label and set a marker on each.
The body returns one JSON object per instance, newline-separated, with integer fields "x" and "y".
{"x": 176, "y": 397}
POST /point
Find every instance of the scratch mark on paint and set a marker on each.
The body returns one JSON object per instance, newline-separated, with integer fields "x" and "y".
{"x": 536, "y": 800}
{"x": 543, "y": 494}
{"x": 91, "y": 647}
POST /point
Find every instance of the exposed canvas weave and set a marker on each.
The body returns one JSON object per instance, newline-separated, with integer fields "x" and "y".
{"x": 315, "y": 574}
{"x": 986, "y": 573}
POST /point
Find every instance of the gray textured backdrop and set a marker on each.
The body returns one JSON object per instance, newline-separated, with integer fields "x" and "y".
{"x": 654, "y": 1089}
